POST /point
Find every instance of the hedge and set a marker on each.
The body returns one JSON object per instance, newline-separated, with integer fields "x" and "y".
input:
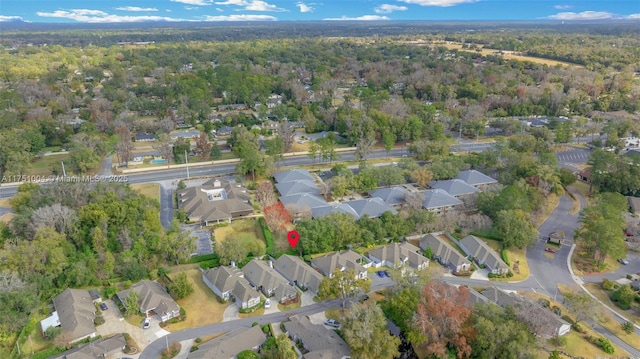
{"x": 505, "y": 258}
{"x": 267, "y": 237}
{"x": 486, "y": 235}
{"x": 202, "y": 258}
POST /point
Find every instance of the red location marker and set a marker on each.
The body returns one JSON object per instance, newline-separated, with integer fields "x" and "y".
{"x": 293, "y": 237}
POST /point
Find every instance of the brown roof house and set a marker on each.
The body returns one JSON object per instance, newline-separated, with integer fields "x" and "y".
{"x": 296, "y": 271}
{"x": 266, "y": 279}
{"x": 483, "y": 254}
{"x": 342, "y": 261}
{"x": 229, "y": 345}
{"x": 541, "y": 321}
{"x": 319, "y": 341}
{"x": 153, "y": 298}
{"x": 99, "y": 349}
{"x": 227, "y": 282}
{"x": 397, "y": 255}
{"x": 444, "y": 253}
{"x": 75, "y": 312}
{"x": 215, "y": 201}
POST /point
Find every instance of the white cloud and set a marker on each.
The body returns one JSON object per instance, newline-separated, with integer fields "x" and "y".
{"x": 562, "y": 7}
{"x": 634, "y": 16}
{"x": 305, "y": 7}
{"x": 388, "y": 9}
{"x": 359, "y": 18}
{"x": 440, "y": 3}
{"x": 11, "y": 19}
{"x": 585, "y": 15}
{"x": 241, "y": 18}
{"x": 194, "y": 2}
{"x": 136, "y": 8}
{"x": 252, "y": 5}
{"x": 97, "y": 16}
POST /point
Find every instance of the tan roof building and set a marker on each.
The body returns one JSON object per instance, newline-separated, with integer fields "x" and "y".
{"x": 153, "y": 298}
{"x": 342, "y": 261}
{"x": 76, "y": 313}
{"x": 229, "y": 345}
{"x": 322, "y": 343}
{"x": 215, "y": 201}
{"x": 396, "y": 255}
{"x": 296, "y": 271}
{"x": 267, "y": 280}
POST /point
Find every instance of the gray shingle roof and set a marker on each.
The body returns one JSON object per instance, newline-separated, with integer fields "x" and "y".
{"x": 391, "y": 196}
{"x": 443, "y": 250}
{"x": 296, "y": 270}
{"x": 303, "y": 200}
{"x": 439, "y": 198}
{"x": 455, "y": 187}
{"x": 322, "y": 211}
{"x": 320, "y": 341}
{"x": 261, "y": 275}
{"x": 223, "y": 278}
{"x": 397, "y": 253}
{"x": 293, "y": 175}
{"x": 475, "y": 178}
{"x": 230, "y": 344}
{"x": 477, "y": 248}
{"x": 372, "y": 207}
{"x": 153, "y": 296}
{"x": 76, "y": 312}
{"x": 298, "y": 186}
{"x": 342, "y": 261}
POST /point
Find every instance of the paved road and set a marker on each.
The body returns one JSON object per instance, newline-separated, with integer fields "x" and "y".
{"x": 5, "y": 210}
{"x": 154, "y": 349}
{"x": 106, "y": 165}
{"x": 166, "y": 205}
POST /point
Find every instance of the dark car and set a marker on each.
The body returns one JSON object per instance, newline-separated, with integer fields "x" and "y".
{"x": 550, "y": 250}
{"x": 103, "y": 306}
{"x": 386, "y": 273}
{"x": 380, "y": 274}
{"x": 364, "y": 298}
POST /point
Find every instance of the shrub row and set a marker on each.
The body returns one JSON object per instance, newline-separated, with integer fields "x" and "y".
{"x": 486, "y": 235}
{"x": 505, "y": 258}
{"x": 267, "y": 237}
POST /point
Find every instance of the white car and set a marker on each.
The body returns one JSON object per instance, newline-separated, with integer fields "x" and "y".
{"x": 267, "y": 304}
{"x": 146, "y": 323}
{"x": 623, "y": 261}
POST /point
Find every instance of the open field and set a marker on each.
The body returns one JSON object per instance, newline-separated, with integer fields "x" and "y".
{"x": 202, "y": 300}
{"x": 246, "y": 231}
{"x": 4, "y": 202}
{"x": 43, "y": 165}
{"x": 583, "y": 188}
{"x": 151, "y": 190}
{"x": 7, "y": 217}
{"x": 507, "y": 56}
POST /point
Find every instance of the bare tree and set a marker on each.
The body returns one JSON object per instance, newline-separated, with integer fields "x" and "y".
{"x": 265, "y": 194}
{"x": 164, "y": 146}
{"x": 364, "y": 146}
{"x": 11, "y": 281}
{"x": 203, "y": 147}
{"x": 286, "y": 131}
{"x": 413, "y": 200}
{"x": 56, "y": 215}
{"x": 124, "y": 148}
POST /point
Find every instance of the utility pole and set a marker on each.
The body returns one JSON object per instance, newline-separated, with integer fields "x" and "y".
{"x": 64, "y": 173}
{"x": 186, "y": 159}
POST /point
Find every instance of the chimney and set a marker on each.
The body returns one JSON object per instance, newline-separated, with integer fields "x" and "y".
{"x": 233, "y": 264}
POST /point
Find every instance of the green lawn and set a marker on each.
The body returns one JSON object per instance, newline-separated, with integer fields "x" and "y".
{"x": 246, "y": 231}
{"x": 42, "y": 166}
{"x": 151, "y": 190}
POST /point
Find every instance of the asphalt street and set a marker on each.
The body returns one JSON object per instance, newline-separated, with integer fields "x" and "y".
{"x": 166, "y": 205}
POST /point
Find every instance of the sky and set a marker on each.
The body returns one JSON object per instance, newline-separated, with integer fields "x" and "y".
{"x": 130, "y": 11}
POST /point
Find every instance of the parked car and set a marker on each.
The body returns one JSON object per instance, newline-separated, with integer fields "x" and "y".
{"x": 380, "y": 274}
{"x": 103, "y": 306}
{"x": 386, "y": 273}
{"x": 332, "y": 323}
{"x": 146, "y": 323}
{"x": 267, "y": 303}
{"x": 364, "y": 298}
{"x": 550, "y": 250}
{"x": 623, "y": 261}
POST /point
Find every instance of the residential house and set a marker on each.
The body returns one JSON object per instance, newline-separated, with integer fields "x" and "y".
{"x": 541, "y": 321}
{"x": 99, "y": 349}
{"x": 444, "y": 252}
{"x": 224, "y": 131}
{"x": 75, "y": 312}
{"x": 476, "y": 179}
{"x": 483, "y": 254}
{"x": 184, "y": 134}
{"x": 398, "y": 255}
{"x": 319, "y": 341}
{"x": 293, "y": 175}
{"x": 439, "y": 201}
{"x": 318, "y": 212}
{"x": 145, "y": 137}
{"x": 346, "y": 260}
{"x": 215, "y": 201}
{"x": 229, "y": 345}
{"x": 153, "y": 298}
{"x": 297, "y": 187}
{"x": 301, "y": 204}
{"x": 263, "y": 277}
{"x": 634, "y": 204}
{"x": 477, "y": 297}
{"x": 371, "y": 207}
{"x": 227, "y": 282}
{"x": 296, "y": 271}
{"x": 585, "y": 175}
{"x": 455, "y": 187}
{"x": 393, "y": 196}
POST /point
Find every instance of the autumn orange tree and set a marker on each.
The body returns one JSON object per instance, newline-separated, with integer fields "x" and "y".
{"x": 277, "y": 217}
{"x": 442, "y": 319}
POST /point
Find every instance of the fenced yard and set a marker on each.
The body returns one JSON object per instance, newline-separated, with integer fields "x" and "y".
{"x": 246, "y": 231}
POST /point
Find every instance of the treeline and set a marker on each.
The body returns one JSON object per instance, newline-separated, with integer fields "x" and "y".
{"x": 75, "y": 235}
